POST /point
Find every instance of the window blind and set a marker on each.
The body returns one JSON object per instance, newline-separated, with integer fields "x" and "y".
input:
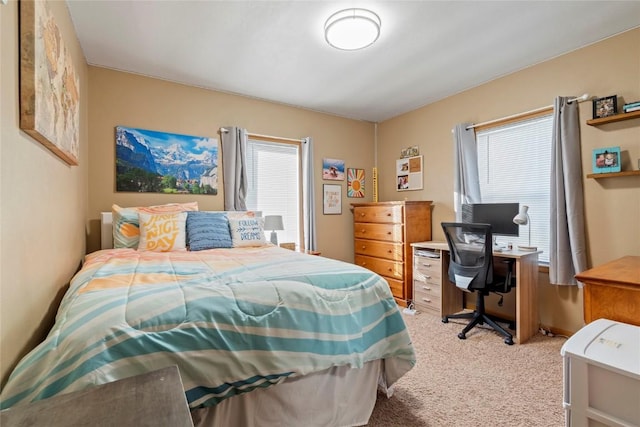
{"x": 273, "y": 173}
{"x": 514, "y": 165}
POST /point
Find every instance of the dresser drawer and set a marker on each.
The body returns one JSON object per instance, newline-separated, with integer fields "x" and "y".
{"x": 384, "y": 267}
{"x": 384, "y": 214}
{"x": 397, "y": 287}
{"x": 386, "y": 232}
{"x": 387, "y": 250}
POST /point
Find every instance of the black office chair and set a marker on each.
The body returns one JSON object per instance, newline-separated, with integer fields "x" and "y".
{"x": 471, "y": 269}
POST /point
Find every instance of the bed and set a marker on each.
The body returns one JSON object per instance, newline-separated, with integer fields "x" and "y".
{"x": 262, "y": 336}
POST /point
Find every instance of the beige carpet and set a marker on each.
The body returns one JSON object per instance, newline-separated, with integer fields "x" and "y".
{"x": 479, "y": 381}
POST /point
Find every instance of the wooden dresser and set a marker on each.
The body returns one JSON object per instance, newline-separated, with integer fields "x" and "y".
{"x": 612, "y": 291}
{"x": 383, "y": 233}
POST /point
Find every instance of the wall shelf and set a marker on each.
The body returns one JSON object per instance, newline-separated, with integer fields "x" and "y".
{"x": 613, "y": 174}
{"x": 614, "y": 118}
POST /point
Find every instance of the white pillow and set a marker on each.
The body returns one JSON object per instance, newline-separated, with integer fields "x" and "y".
{"x": 247, "y": 232}
{"x": 162, "y": 232}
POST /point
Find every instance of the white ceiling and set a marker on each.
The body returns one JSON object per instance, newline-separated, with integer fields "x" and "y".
{"x": 275, "y": 50}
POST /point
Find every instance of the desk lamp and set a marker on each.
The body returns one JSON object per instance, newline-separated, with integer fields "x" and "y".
{"x": 523, "y": 219}
{"x": 273, "y": 223}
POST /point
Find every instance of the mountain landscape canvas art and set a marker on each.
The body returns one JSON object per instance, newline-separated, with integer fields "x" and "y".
{"x": 158, "y": 162}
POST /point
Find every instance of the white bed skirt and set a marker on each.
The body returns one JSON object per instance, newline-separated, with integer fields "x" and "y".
{"x": 338, "y": 397}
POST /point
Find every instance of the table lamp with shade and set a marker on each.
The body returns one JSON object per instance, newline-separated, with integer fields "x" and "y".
{"x": 523, "y": 219}
{"x": 273, "y": 223}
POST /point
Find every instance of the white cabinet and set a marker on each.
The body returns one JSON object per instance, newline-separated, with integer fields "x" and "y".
{"x": 601, "y": 364}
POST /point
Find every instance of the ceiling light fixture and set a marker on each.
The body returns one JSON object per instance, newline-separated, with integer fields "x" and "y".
{"x": 352, "y": 29}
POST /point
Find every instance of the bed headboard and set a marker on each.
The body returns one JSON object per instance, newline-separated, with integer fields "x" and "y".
{"x": 106, "y": 230}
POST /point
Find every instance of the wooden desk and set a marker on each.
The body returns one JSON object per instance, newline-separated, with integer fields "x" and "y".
{"x": 152, "y": 399}
{"x": 450, "y": 297}
{"x": 612, "y": 291}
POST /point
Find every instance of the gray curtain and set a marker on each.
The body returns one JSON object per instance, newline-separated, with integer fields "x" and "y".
{"x": 466, "y": 184}
{"x": 308, "y": 195}
{"x": 234, "y": 162}
{"x": 567, "y": 245}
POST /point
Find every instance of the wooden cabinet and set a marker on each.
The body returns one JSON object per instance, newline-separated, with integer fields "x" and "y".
{"x": 612, "y": 291}
{"x": 383, "y": 233}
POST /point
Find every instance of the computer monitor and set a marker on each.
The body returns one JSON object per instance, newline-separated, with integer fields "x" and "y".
{"x": 499, "y": 215}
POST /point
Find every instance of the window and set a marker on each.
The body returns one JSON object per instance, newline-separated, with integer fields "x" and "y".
{"x": 274, "y": 184}
{"x": 514, "y": 165}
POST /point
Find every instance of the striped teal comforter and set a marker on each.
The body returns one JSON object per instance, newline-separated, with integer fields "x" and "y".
{"x": 233, "y": 320}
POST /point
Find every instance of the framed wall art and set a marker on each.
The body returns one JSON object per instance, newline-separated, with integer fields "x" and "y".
{"x": 149, "y": 161}
{"x": 355, "y": 183}
{"x": 333, "y": 169}
{"x": 49, "y": 84}
{"x": 604, "y": 107}
{"x": 409, "y": 173}
{"x": 331, "y": 199}
{"x": 606, "y": 160}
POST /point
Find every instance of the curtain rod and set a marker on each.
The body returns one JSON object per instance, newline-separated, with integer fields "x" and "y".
{"x": 536, "y": 110}
{"x": 258, "y": 135}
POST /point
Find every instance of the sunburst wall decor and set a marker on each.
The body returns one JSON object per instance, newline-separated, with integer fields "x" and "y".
{"x": 355, "y": 183}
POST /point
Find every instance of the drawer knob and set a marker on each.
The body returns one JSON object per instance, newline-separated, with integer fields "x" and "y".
{"x": 426, "y": 288}
{"x": 389, "y": 251}
{"x": 388, "y": 232}
{"x": 363, "y": 263}
{"x": 364, "y": 247}
{"x": 388, "y": 213}
{"x": 361, "y": 213}
{"x": 427, "y": 276}
{"x": 426, "y": 300}
{"x": 426, "y": 264}
{"x": 363, "y": 231}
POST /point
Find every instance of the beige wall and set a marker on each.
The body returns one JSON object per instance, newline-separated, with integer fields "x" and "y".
{"x": 612, "y": 205}
{"x": 42, "y": 205}
{"x": 119, "y": 98}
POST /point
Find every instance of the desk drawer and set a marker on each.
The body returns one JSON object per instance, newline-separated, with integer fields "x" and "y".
{"x": 385, "y": 232}
{"x": 429, "y": 274}
{"x": 426, "y": 299}
{"x": 384, "y": 214}
{"x": 392, "y": 251}
{"x": 383, "y": 267}
{"x": 421, "y": 287}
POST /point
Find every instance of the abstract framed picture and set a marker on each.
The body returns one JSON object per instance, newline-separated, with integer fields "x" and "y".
{"x": 606, "y": 160}
{"x": 331, "y": 199}
{"x": 409, "y": 173}
{"x": 355, "y": 183}
{"x": 49, "y": 84}
{"x": 149, "y": 161}
{"x": 333, "y": 169}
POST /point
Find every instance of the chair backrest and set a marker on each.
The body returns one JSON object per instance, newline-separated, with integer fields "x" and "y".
{"x": 471, "y": 251}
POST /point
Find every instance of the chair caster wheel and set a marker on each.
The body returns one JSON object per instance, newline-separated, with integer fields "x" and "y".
{"x": 508, "y": 341}
{"x": 462, "y": 336}
{"x": 445, "y": 320}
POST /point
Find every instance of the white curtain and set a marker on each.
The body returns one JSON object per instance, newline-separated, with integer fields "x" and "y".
{"x": 234, "y": 164}
{"x": 308, "y": 195}
{"x": 567, "y": 244}
{"x": 466, "y": 184}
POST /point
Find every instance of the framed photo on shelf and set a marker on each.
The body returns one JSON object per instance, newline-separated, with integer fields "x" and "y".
{"x": 604, "y": 107}
{"x": 606, "y": 160}
{"x": 331, "y": 199}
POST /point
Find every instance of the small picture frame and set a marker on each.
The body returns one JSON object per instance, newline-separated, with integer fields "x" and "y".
{"x": 604, "y": 107}
{"x": 409, "y": 152}
{"x": 606, "y": 160}
{"x": 331, "y": 199}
